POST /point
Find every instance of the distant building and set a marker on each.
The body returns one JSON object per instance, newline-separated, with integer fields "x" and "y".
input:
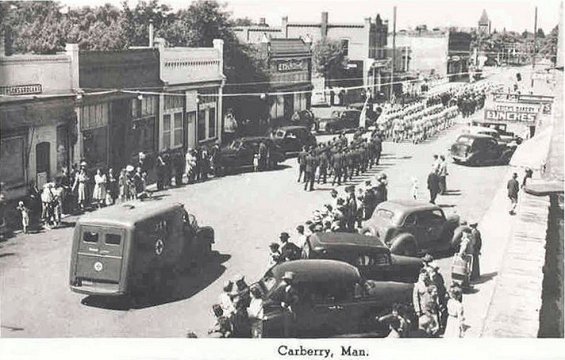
{"x": 428, "y": 50}
{"x": 484, "y": 23}
{"x": 364, "y": 43}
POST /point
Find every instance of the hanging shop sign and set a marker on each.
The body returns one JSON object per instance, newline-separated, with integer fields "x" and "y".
{"x": 513, "y": 112}
{"x": 21, "y": 89}
{"x": 292, "y": 65}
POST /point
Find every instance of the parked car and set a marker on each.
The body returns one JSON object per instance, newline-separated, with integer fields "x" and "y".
{"x": 333, "y": 299}
{"x": 135, "y": 248}
{"x": 241, "y": 151}
{"x": 478, "y": 149}
{"x": 340, "y": 120}
{"x": 509, "y": 140}
{"x": 410, "y": 227}
{"x": 291, "y": 139}
{"x": 367, "y": 253}
{"x": 504, "y": 134}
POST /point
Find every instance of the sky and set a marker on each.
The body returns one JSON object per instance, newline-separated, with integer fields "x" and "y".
{"x": 516, "y": 15}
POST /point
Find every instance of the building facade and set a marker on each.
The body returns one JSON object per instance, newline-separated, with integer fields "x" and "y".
{"x": 484, "y": 23}
{"x": 37, "y": 119}
{"x": 428, "y": 50}
{"x": 289, "y": 69}
{"x": 459, "y": 48}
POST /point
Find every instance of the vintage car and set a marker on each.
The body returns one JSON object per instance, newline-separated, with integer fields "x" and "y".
{"x": 503, "y": 134}
{"x": 496, "y": 134}
{"x": 135, "y": 248}
{"x": 241, "y": 151}
{"x": 333, "y": 299}
{"x": 291, "y": 139}
{"x": 410, "y": 227}
{"x": 477, "y": 149}
{"x": 367, "y": 253}
{"x": 347, "y": 119}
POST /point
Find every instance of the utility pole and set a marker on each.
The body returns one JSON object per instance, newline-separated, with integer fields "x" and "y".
{"x": 393, "y": 52}
{"x": 534, "y": 48}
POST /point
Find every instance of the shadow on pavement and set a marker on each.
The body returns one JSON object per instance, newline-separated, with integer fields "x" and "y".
{"x": 183, "y": 286}
{"x": 486, "y": 277}
{"x": 452, "y": 193}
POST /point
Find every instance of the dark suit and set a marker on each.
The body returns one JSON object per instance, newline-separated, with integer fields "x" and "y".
{"x": 433, "y": 186}
{"x": 310, "y": 171}
{"x": 323, "y": 162}
{"x": 337, "y": 165}
{"x": 301, "y": 164}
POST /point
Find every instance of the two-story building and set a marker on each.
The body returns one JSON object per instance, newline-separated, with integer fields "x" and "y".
{"x": 37, "y": 118}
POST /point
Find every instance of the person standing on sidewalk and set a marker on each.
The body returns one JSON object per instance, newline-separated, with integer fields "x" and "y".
{"x": 433, "y": 186}
{"x": 442, "y": 173}
{"x": 513, "y": 187}
{"x": 477, "y": 245}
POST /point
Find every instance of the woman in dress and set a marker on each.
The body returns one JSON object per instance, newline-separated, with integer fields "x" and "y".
{"x": 80, "y": 185}
{"x": 123, "y": 186}
{"x": 111, "y": 191}
{"x": 455, "y": 322}
{"x": 99, "y": 193}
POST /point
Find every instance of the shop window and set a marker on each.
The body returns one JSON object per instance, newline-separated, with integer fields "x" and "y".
{"x": 177, "y": 131}
{"x": 148, "y": 105}
{"x": 143, "y": 135}
{"x": 95, "y": 146}
{"x": 174, "y": 102}
{"x": 167, "y": 131}
{"x": 212, "y": 123}
{"x": 345, "y": 46}
{"x": 201, "y": 125}
{"x": 12, "y": 170}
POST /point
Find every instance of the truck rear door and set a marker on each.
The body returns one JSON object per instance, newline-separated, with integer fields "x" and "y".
{"x": 100, "y": 254}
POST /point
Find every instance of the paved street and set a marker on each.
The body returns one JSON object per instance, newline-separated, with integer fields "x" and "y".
{"x": 247, "y": 211}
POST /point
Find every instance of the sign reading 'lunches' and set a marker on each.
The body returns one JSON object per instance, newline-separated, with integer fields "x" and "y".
{"x": 513, "y": 112}
{"x": 292, "y": 65}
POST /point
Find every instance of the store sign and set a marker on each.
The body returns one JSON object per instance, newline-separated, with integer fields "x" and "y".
{"x": 513, "y": 112}
{"x": 292, "y": 65}
{"x": 21, "y": 89}
{"x": 545, "y": 102}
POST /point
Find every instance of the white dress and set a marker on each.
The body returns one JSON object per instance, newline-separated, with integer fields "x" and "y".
{"x": 454, "y": 327}
{"x": 99, "y": 192}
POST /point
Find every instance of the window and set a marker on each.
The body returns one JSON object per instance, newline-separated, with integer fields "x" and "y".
{"x": 148, "y": 105}
{"x": 167, "y": 131}
{"x": 113, "y": 239}
{"x": 177, "y": 140}
{"x": 211, "y": 123}
{"x": 202, "y": 125}
{"x": 90, "y": 237}
{"x": 94, "y": 116}
{"x": 345, "y": 46}
{"x": 12, "y": 170}
{"x": 174, "y": 102}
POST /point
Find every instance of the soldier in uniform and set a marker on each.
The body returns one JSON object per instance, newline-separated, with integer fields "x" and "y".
{"x": 323, "y": 162}
{"x": 302, "y": 163}
{"x": 310, "y": 170}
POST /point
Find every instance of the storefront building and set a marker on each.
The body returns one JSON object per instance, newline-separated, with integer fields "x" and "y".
{"x": 191, "y": 109}
{"x": 37, "y": 119}
{"x": 459, "y": 49}
{"x": 289, "y": 63}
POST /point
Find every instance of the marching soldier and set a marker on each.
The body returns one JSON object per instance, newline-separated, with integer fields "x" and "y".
{"x": 310, "y": 170}
{"x": 323, "y": 162}
{"x": 337, "y": 165}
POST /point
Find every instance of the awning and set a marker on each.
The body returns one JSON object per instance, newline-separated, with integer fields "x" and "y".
{"x": 532, "y": 153}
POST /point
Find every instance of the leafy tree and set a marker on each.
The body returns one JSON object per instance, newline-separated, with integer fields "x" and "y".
{"x": 328, "y": 59}
{"x": 33, "y": 26}
{"x": 243, "y": 22}
{"x": 99, "y": 28}
{"x": 136, "y": 21}
{"x": 541, "y": 34}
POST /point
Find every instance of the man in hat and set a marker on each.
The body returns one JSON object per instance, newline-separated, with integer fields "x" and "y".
{"x": 301, "y": 235}
{"x": 381, "y": 191}
{"x": 323, "y": 162}
{"x": 337, "y": 165}
{"x": 477, "y": 244}
{"x": 302, "y": 163}
{"x": 310, "y": 170}
{"x": 241, "y": 298}
{"x": 351, "y": 206}
{"x": 289, "y": 250}
{"x": 433, "y": 186}
{"x": 513, "y": 188}
{"x": 288, "y": 299}
{"x": 226, "y": 299}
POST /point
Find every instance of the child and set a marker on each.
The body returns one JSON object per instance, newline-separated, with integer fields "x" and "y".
{"x": 256, "y": 162}
{"x": 25, "y": 215}
{"x": 414, "y": 188}
{"x": 222, "y": 327}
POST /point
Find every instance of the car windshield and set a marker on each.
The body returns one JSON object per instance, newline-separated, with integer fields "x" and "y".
{"x": 236, "y": 144}
{"x": 465, "y": 140}
{"x": 279, "y": 134}
{"x": 268, "y": 281}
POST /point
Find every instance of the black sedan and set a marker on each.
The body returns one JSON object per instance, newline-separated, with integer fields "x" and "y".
{"x": 291, "y": 139}
{"x": 240, "y": 153}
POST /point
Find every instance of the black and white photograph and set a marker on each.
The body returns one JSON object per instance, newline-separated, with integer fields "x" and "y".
{"x": 280, "y": 172}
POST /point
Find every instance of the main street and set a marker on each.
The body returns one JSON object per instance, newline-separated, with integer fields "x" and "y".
{"x": 247, "y": 211}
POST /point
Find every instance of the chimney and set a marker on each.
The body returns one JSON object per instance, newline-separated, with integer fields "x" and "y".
{"x": 284, "y": 25}
{"x": 150, "y": 33}
{"x": 262, "y": 21}
{"x": 2, "y": 45}
{"x": 72, "y": 51}
{"x": 324, "y": 24}
{"x": 219, "y": 45}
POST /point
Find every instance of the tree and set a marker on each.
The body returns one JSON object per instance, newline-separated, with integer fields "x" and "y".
{"x": 32, "y": 27}
{"x": 328, "y": 59}
{"x": 540, "y": 33}
{"x": 136, "y": 21}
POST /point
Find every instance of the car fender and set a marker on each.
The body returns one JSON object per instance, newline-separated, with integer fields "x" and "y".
{"x": 404, "y": 244}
